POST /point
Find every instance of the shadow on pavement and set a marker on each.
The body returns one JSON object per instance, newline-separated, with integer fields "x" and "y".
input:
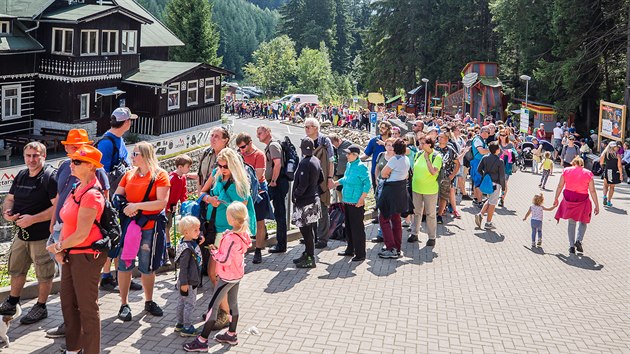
{"x": 490, "y": 236}
{"x": 536, "y": 250}
{"x": 580, "y": 261}
{"x": 425, "y": 255}
{"x": 503, "y": 211}
{"x": 342, "y": 269}
{"x": 286, "y": 279}
{"x": 615, "y": 210}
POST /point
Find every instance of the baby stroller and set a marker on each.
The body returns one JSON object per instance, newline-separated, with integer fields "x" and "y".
{"x": 526, "y": 157}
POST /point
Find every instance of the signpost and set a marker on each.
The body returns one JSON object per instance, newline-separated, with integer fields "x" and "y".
{"x": 524, "y": 127}
{"x": 612, "y": 120}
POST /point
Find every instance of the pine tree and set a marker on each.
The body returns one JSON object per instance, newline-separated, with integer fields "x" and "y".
{"x": 191, "y": 21}
{"x": 343, "y": 33}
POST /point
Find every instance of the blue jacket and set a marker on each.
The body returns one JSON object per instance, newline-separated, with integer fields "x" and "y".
{"x": 355, "y": 182}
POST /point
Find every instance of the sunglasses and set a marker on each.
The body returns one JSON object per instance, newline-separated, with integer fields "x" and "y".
{"x": 243, "y": 147}
{"x": 77, "y": 162}
{"x": 223, "y": 167}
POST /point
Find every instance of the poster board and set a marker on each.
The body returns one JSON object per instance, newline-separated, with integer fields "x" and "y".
{"x": 612, "y": 122}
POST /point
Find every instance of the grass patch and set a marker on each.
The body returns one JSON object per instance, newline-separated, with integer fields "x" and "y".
{"x": 5, "y": 278}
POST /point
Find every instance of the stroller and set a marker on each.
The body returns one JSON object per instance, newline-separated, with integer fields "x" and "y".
{"x": 526, "y": 157}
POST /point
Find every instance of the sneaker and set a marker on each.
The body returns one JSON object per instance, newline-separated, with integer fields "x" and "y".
{"x": 377, "y": 240}
{"x": 179, "y": 327}
{"x": 57, "y": 332}
{"x": 388, "y": 254}
{"x": 412, "y": 238}
{"x": 578, "y": 246}
{"x": 605, "y": 200}
{"x": 135, "y": 286}
{"x": 226, "y": 338}
{"x": 489, "y": 226}
{"x": 439, "y": 219}
{"x": 36, "y": 314}
{"x": 539, "y": 243}
{"x": 321, "y": 244}
{"x": 572, "y": 250}
{"x": 257, "y": 257}
{"x": 456, "y": 214}
{"x": 6, "y": 309}
{"x": 431, "y": 242}
{"x": 153, "y": 308}
{"x": 501, "y": 203}
{"x": 124, "y": 314}
{"x": 307, "y": 262}
{"x": 609, "y": 203}
{"x": 189, "y": 331}
{"x": 300, "y": 259}
{"x": 108, "y": 284}
{"x": 478, "y": 220}
{"x": 196, "y": 346}
{"x": 276, "y": 249}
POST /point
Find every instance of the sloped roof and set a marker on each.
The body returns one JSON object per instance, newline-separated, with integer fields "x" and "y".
{"x": 155, "y": 34}
{"x": 85, "y": 12}
{"x": 19, "y": 41}
{"x": 158, "y": 72}
{"x": 24, "y": 8}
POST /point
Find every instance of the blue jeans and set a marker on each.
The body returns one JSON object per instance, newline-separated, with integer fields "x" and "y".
{"x": 144, "y": 255}
{"x": 278, "y": 194}
{"x": 536, "y": 228}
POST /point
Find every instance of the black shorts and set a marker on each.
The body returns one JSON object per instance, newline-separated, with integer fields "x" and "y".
{"x": 612, "y": 176}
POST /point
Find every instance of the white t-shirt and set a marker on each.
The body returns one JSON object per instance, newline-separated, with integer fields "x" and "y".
{"x": 537, "y": 212}
{"x": 400, "y": 168}
{"x": 557, "y": 133}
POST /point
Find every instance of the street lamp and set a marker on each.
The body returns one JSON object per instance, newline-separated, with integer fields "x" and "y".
{"x": 425, "y": 80}
{"x": 526, "y": 79}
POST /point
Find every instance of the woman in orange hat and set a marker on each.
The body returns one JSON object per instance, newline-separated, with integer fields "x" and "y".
{"x": 80, "y": 263}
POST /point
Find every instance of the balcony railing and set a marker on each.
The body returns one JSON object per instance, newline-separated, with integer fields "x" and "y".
{"x": 88, "y": 66}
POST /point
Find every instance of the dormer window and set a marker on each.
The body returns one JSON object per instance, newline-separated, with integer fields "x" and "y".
{"x": 62, "y": 41}
{"x": 5, "y": 27}
{"x": 129, "y": 40}
{"x": 89, "y": 42}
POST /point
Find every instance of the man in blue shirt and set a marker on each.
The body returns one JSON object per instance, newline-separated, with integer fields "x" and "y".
{"x": 375, "y": 146}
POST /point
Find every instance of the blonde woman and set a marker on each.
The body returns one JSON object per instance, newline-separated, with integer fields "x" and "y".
{"x": 142, "y": 195}
{"x": 610, "y": 160}
{"x": 231, "y": 184}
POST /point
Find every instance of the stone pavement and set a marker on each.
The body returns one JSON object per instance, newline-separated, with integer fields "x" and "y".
{"x": 476, "y": 291}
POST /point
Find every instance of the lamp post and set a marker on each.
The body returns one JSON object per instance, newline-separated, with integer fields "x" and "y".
{"x": 425, "y": 80}
{"x": 526, "y": 79}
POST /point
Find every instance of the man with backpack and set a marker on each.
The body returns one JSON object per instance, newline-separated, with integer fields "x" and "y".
{"x": 29, "y": 207}
{"x": 116, "y": 161}
{"x": 278, "y": 186}
{"x": 65, "y": 182}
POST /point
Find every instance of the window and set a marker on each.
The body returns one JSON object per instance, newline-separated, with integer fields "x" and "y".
{"x": 173, "y": 96}
{"x": 209, "y": 90}
{"x": 193, "y": 88}
{"x": 110, "y": 42}
{"x": 129, "y": 42}
{"x": 62, "y": 41}
{"x": 89, "y": 42}
{"x": 11, "y": 101}
{"x": 5, "y": 27}
{"x": 84, "y": 110}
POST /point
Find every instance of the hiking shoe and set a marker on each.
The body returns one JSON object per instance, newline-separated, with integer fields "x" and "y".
{"x": 412, "y": 238}
{"x": 300, "y": 259}
{"x": 257, "y": 257}
{"x": 57, "y": 332}
{"x": 196, "y": 346}
{"x": 572, "y": 250}
{"x": 307, "y": 262}
{"x": 321, "y": 244}
{"x": 124, "y": 314}
{"x": 135, "y": 286}
{"x": 37, "y": 313}
{"x": 153, "y": 308}
{"x": 431, "y": 242}
{"x": 377, "y": 240}
{"x": 179, "y": 327}
{"x": 6, "y": 309}
{"x": 578, "y": 246}
{"x": 478, "y": 220}
{"x": 226, "y": 338}
{"x": 439, "y": 219}
{"x": 489, "y": 226}
{"x": 539, "y": 243}
{"x": 108, "y": 284}
{"x": 189, "y": 331}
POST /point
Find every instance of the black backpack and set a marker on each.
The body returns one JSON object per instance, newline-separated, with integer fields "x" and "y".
{"x": 118, "y": 166}
{"x": 290, "y": 158}
{"x": 109, "y": 226}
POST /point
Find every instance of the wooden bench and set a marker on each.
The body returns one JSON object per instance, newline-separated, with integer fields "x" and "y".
{"x": 53, "y": 136}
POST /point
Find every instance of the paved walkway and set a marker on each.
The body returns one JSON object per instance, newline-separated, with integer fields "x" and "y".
{"x": 476, "y": 291}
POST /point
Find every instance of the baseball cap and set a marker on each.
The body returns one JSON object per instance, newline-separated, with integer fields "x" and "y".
{"x": 88, "y": 153}
{"x": 571, "y": 137}
{"x": 558, "y": 124}
{"x": 77, "y": 137}
{"x": 122, "y": 114}
{"x": 353, "y": 148}
{"x": 307, "y": 146}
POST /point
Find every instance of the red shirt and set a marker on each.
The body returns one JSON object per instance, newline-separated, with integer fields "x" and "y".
{"x": 179, "y": 192}
{"x": 257, "y": 160}
{"x": 88, "y": 198}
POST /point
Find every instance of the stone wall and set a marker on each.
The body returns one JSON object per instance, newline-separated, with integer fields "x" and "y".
{"x": 167, "y": 164}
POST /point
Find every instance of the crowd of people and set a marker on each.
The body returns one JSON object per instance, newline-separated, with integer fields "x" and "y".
{"x": 416, "y": 178}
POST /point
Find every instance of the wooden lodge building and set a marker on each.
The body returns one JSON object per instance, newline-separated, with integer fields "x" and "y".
{"x": 70, "y": 63}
